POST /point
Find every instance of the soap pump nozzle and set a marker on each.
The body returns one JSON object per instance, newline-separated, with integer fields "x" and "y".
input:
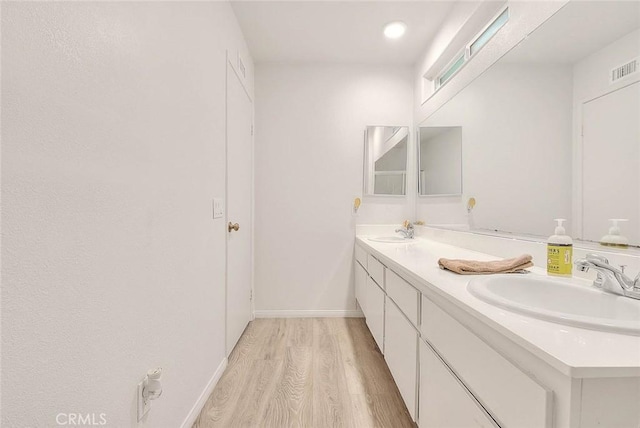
{"x": 559, "y": 228}
{"x": 615, "y": 228}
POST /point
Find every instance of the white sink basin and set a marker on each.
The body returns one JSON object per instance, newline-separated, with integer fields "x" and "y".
{"x": 391, "y": 239}
{"x": 558, "y": 301}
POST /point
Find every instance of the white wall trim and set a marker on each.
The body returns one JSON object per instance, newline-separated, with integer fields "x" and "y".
{"x": 197, "y": 407}
{"x": 309, "y": 314}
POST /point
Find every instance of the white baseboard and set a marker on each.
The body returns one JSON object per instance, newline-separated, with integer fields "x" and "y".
{"x": 309, "y": 314}
{"x": 195, "y": 411}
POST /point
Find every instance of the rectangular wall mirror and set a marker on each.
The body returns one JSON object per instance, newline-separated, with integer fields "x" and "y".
{"x": 385, "y": 160}
{"x": 440, "y": 160}
{"x": 551, "y": 130}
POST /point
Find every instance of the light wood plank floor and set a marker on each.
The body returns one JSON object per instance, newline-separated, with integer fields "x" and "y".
{"x": 305, "y": 372}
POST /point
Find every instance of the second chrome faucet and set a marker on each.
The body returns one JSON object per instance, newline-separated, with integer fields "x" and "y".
{"x": 609, "y": 277}
{"x": 407, "y": 230}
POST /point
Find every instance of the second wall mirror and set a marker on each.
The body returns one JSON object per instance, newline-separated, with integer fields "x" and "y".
{"x": 440, "y": 160}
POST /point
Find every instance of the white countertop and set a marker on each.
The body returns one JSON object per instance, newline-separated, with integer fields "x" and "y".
{"x": 575, "y": 352}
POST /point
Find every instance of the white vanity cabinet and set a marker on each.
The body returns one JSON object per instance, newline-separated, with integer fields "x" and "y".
{"x": 461, "y": 364}
{"x": 444, "y": 400}
{"x": 391, "y": 309}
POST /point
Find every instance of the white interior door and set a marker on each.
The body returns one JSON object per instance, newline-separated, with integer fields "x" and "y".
{"x": 239, "y": 208}
{"x": 611, "y": 163}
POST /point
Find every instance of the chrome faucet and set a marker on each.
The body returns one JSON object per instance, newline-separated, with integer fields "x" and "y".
{"x": 609, "y": 277}
{"x": 408, "y": 231}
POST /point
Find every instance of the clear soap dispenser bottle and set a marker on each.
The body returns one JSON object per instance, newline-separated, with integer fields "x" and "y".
{"x": 559, "y": 252}
{"x": 614, "y": 238}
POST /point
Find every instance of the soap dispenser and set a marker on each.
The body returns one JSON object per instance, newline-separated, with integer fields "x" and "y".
{"x": 559, "y": 252}
{"x": 613, "y": 238}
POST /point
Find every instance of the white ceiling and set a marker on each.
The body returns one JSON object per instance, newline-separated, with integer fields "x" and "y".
{"x": 338, "y": 31}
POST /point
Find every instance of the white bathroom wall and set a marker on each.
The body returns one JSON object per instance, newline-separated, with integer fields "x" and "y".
{"x": 591, "y": 80}
{"x": 113, "y": 144}
{"x": 499, "y": 113}
{"x": 309, "y": 143}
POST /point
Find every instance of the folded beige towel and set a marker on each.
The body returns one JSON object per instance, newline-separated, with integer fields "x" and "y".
{"x": 474, "y": 267}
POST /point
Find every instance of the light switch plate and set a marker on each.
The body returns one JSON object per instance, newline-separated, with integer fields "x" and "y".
{"x": 218, "y": 208}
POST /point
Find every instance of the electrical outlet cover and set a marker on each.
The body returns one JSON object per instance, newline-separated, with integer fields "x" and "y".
{"x": 218, "y": 208}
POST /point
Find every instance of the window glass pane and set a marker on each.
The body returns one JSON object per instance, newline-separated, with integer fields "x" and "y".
{"x": 489, "y": 32}
{"x": 451, "y": 71}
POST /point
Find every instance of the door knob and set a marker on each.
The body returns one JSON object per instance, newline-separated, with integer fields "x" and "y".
{"x": 232, "y": 226}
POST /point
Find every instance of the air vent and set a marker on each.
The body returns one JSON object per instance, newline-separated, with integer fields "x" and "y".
{"x": 625, "y": 70}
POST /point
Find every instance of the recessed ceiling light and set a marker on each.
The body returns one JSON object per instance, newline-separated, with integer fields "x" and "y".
{"x": 395, "y": 30}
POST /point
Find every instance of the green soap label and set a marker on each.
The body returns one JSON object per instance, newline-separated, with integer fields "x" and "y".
{"x": 559, "y": 259}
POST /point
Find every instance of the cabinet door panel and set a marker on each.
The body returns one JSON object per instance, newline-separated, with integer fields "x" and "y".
{"x": 361, "y": 284}
{"x": 375, "y": 312}
{"x": 401, "y": 353}
{"x": 512, "y": 397}
{"x": 444, "y": 402}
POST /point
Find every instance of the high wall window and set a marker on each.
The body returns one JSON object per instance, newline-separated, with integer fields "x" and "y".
{"x": 488, "y": 33}
{"x": 450, "y": 70}
{"x": 471, "y": 49}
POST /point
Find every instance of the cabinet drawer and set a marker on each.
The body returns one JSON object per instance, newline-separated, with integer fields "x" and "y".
{"x": 404, "y": 295}
{"x": 401, "y": 354}
{"x": 511, "y": 397}
{"x": 361, "y": 256}
{"x": 376, "y": 270}
{"x": 375, "y": 312}
{"x": 444, "y": 401}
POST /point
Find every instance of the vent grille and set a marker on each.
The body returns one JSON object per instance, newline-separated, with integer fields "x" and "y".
{"x": 625, "y": 70}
